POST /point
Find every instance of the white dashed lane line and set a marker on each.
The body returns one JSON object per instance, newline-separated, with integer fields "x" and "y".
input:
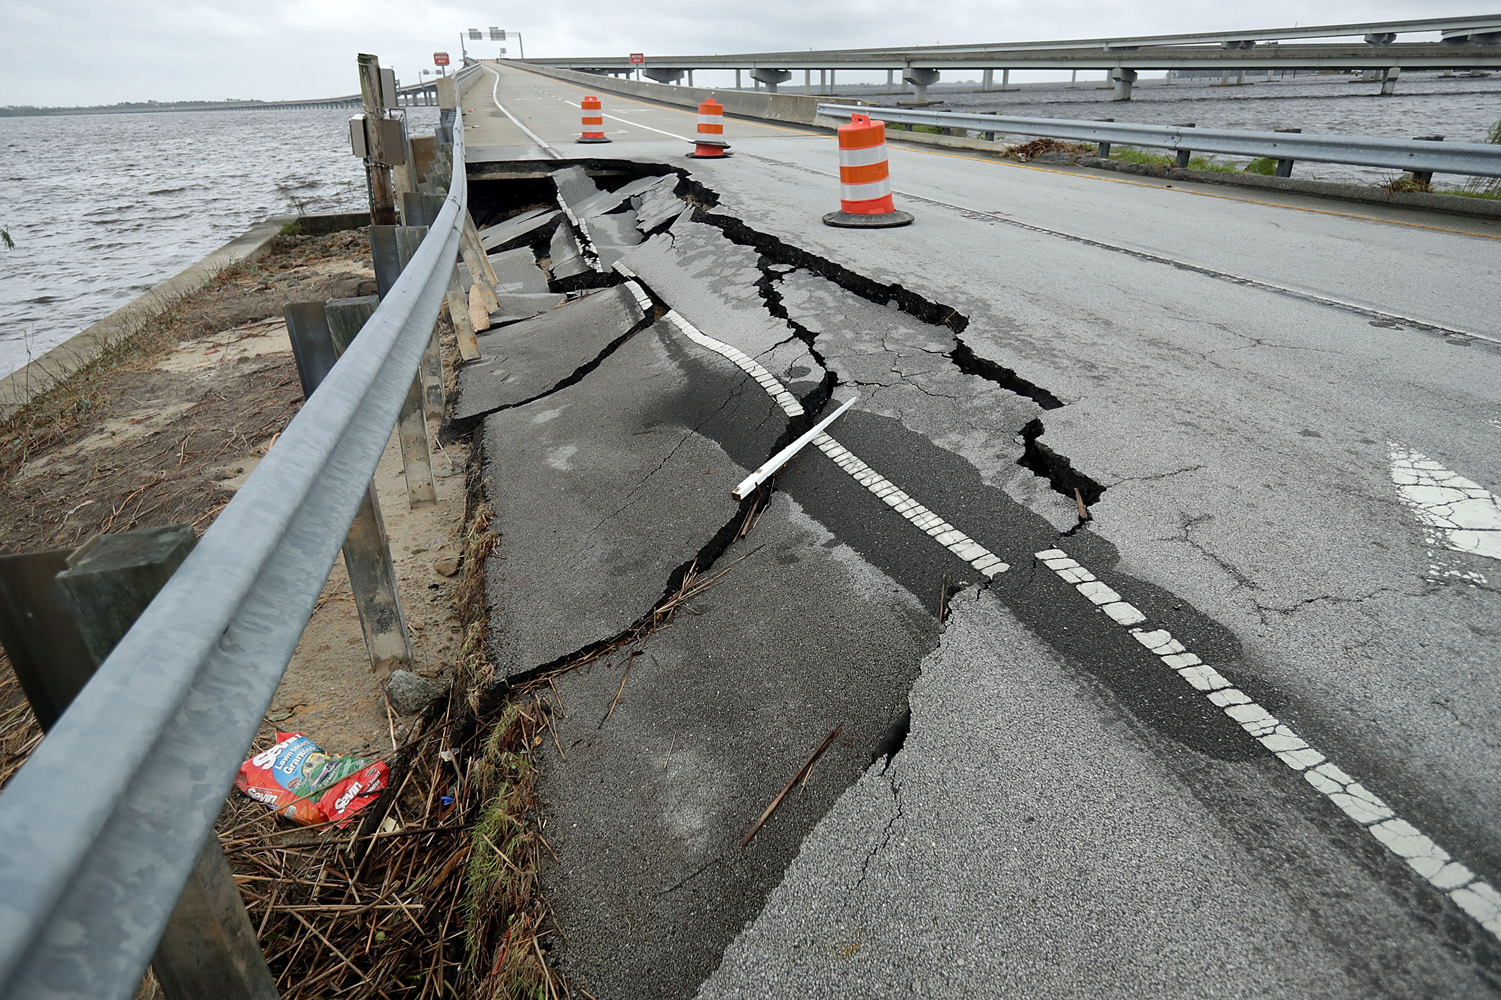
{"x": 1472, "y": 895}
{"x": 627, "y": 121}
{"x": 941, "y": 531}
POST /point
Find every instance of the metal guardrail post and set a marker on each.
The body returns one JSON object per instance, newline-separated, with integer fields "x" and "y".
{"x": 1425, "y": 177}
{"x": 367, "y": 554}
{"x": 1104, "y": 150}
{"x": 1285, "y": 163}
{"x": 1184, "y": 155}
{"x": 345, "y": 317}
{"x": 76, "y": 607}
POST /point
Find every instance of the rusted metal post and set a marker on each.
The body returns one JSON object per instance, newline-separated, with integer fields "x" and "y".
{"x": 377, "y": 163}
{"x": 345, "y": 317}
{"x": 367, "y": 554}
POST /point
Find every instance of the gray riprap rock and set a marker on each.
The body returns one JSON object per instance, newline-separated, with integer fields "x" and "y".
{"x": 409, "y": 693}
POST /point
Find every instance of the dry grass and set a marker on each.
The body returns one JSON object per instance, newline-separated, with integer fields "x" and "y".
{"x": 1031, "y": 150}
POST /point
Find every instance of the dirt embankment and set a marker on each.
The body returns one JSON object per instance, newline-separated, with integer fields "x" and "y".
{"x": 163, "y": 428}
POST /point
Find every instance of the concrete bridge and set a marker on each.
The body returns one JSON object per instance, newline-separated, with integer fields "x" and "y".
{"x": 1465, "y": 44}
{"x": 1150, "y": 583}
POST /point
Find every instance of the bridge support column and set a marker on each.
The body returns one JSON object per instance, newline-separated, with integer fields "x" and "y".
{"x": 823, "y": 81}
{"x": 807, "y": 81}
{"x": 771, "y": 77}
{"x": 1074, "y": 80}
{"x": 690, "y": 78}
{"x": 987, "y": 79}
{"x": 664, "y": 75}
{"x": 921, "y": 79}
{"x": 1005, "y": 79}
{"x": 1389, "y": 81}
{"x": 737, "y": 79}
{"x": 831, "y": 81}
{"x": 1123, "y": 79}
{"x": 890, "y": 78}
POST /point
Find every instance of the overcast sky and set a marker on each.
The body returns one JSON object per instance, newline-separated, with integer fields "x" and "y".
{"x": 102, "y": 51}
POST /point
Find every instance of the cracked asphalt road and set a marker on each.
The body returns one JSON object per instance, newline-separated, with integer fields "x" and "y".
{"x": 1073, "y": 812}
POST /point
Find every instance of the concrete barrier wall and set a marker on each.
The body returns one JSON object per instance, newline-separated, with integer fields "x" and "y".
{"x": 797, "y": 109}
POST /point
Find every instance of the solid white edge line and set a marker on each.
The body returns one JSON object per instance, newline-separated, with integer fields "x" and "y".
{"x": 495, "y": 96}
{"x": 1474, "y": 896}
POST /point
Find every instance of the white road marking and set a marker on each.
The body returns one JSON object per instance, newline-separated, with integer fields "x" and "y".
{"x": 1472, "y": 895}
{"x": 982, "y": 559}
{"x": 1455, "y": 512}
{"x": 627, "y": 121}
{"x": 495, "y": 96}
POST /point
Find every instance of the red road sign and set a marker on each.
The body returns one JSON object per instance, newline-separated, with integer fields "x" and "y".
{"x": 440, "y": 58}
{"x": 638, "y": 58}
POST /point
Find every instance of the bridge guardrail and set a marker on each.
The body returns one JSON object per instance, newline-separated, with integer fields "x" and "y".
{"x": 1415, "y": 155}
{"x": 103, "y": 824}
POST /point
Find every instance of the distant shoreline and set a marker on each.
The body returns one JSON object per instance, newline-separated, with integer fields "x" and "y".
{"x": 140, "y": 107}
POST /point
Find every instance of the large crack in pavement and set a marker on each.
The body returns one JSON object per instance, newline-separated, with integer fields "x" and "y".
{"x": 775, "y": 251}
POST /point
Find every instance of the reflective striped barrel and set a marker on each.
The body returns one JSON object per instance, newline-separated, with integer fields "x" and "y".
{"x": 593, "y": 121}
{"x": 710, "y": 141}
{"x": 864, "y": 178}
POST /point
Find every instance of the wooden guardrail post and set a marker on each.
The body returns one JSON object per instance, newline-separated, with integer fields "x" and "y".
{"x": 345, "y": 317}
{"x": 379, "y": 158}
{"x": 391, "y": 248}
{"x": 367, "y": 554}
{"x": 61, "y": 614}
{"x": 426, "y": 208}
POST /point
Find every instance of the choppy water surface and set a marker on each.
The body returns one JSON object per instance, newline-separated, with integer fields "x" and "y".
{"x": 1460, "y": 108}
{"x": 102, "y": 207}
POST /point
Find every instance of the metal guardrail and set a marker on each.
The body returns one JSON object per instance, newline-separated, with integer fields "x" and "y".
{"x": 1474, "y": 158}
{"x": 101, "y": 827}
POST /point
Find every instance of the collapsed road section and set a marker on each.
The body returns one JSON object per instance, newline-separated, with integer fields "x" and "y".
{"x": 700, "y": 649}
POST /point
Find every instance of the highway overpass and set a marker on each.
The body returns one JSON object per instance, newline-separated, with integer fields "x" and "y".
{"x": 1469, "y": 43}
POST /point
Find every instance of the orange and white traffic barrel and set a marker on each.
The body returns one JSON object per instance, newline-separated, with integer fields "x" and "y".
{"x": 864, "y": 179}
{"x": 710, "y": 144}
{"x": 593, "y": 120}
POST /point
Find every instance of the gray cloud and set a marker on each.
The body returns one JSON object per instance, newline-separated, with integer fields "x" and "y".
{"x": 95, "y": 52}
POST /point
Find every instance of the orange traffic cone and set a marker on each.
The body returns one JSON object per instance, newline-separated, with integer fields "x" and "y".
{"x": 864, "y": 179}
{"x": 593, "y": 121}
{"x": 710, "y": 143}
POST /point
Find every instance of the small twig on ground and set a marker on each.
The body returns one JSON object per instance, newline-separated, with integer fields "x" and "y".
{"x": 630, "y": 658}
{"x": 801, "y": 773}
